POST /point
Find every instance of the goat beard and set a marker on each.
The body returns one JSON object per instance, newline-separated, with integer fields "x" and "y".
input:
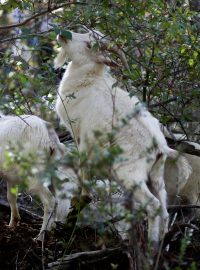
{"x": 60, "y": 58}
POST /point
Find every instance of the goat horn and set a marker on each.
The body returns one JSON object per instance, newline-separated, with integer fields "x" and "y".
{"x": 117, "y": 51}
{"x": 104, "y": 46}
{"x": 122, "y": 56}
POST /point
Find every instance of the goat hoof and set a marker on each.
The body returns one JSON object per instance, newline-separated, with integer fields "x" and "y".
{"x": 44, "y": 235}
{"x": 39, "y": 237}
{"x": 14, "y": 223}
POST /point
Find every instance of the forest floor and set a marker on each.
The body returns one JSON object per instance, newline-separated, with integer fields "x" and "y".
{"x": 85, "y": 247}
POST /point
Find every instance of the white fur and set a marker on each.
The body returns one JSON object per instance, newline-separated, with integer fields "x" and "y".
{"x": 183, "y": 188}
{"x": 98, "y": 106}
{"x": 28, "y": 135}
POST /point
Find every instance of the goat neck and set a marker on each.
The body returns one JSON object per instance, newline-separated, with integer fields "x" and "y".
{"x": 82, "y": 75}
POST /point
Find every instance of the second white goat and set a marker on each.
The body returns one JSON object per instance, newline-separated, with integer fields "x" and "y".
{"x": 31, "y": 138}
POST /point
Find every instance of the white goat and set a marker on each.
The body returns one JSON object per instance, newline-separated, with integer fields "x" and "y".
{"x": 87, "y": 102}
{"x": 31, "y": 137}
{"x": 183, "y": 190}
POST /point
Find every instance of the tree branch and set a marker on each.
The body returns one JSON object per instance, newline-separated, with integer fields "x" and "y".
{"x": 48, "y": 10}
{"x": 183, "y": 206}
{"x": 163, "y": 102}
{"x": 148, "y": 72}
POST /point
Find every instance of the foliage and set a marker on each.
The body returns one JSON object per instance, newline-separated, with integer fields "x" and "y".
{"x": 161, "y": 42}
{"x": 159, "y": 38}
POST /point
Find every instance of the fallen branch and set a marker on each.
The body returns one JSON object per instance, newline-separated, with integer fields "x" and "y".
{"x": 79, "y": 259}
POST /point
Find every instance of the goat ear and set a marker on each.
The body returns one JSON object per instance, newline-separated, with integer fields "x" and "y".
{"x": 60, "y": 59}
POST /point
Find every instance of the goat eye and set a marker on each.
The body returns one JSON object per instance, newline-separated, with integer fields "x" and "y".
{"x": 88, "y": 45}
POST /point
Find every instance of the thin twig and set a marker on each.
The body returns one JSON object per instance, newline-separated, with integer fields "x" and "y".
{"x": 159, "y": 254}
{"x": 162, "y": 103}
{"x": 40, "y": 34}
{"x": 26, "y": 101}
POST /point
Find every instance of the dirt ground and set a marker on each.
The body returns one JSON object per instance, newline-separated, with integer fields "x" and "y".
{"x": 18, "y": 250}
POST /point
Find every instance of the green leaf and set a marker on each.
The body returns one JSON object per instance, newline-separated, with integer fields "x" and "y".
{"x": 195, "y": 54}
{"x": 66, "y": 34}
{"x": 191, "y": 62}
{"x": 14, "y": 190}
{"x": 183, "y": 48}
{"x": 25, "y": 30}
